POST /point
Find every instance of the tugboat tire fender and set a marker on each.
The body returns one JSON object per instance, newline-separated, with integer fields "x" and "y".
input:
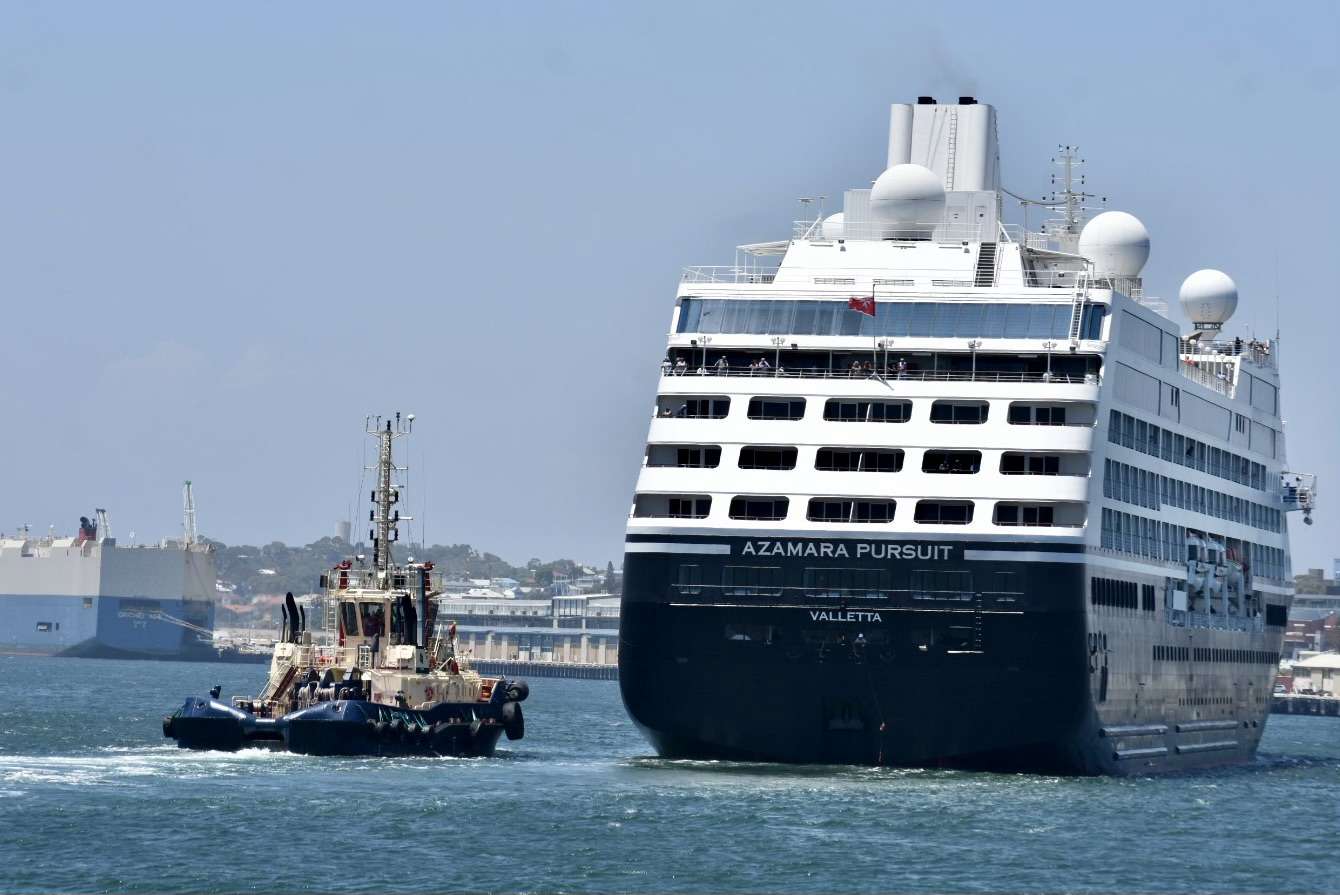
{"x": 169, "y": 725}
{"x": 514, "y": 722}
{"x": 517, "y": 691}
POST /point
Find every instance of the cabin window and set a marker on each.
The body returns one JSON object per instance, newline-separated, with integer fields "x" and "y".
{"x": 943, "y": 512}
{"x": 829, "y": 509}
{"x": 962, "y": 412}
{"x": 696, "y": 456}
{"x": 374, "y": 619}
{"x": 761, "y": 457}
{"x": 1030, "y": 464}
{"x": 349, "y": 617}
{"x": 690, "y": 578}
{"x": 840, "y": 411}
{"x": 831, "y": 459}
{"x": 768, "y": 509}
{"x": 1024, "y": 514}
{"x": 88, "y": 602}
{"x": 951, "y": 462}
{"x": 1037, "y": 414}
{"x": 43, "y": 627}
{"x": 693, "y": 407}
{"x": 672, "y": 506}
{"x": 751, "y": 581}
{"x": 776, "y": 408}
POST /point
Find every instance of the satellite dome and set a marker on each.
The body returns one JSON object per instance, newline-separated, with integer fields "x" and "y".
{"x": 908, "y": 198}
{"x": 1209, "y": 298}
{"x": 831, "y": 228}
{"x": 1116, "y": 243}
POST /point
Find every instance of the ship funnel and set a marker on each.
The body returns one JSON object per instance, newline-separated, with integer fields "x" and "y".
{"x": 956, "y": 141}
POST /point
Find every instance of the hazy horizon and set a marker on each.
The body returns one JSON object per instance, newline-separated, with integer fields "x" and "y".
{"x": 231, "y": 233}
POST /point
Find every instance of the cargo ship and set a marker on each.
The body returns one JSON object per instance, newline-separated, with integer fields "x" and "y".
{"x": 89, "y": 596}
{"x": 922, "y": 487}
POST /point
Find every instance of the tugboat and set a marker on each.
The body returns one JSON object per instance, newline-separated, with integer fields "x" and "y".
{"x": 379, "y": 678}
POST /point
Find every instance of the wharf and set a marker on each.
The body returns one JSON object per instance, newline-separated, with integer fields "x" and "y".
{"x": 508, "y": 668}
{"x": 1295, "y": 704}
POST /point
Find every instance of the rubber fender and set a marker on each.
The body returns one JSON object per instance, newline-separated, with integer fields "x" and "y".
{"x": 514, "y": 723}
{"x": 169, "y": 726}
{"x": 399, "y": 729}
{"x": 517, "y": 691}
{"x": 380, "y": 728}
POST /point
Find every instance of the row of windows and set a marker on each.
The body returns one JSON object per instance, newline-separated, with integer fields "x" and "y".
{"x": 842, "y": 459}
{"x": 1021, "y": 413}
{"x": 968, "y": 320}
{"x": 1147, "y": 438}
{"x": 1166, "y": 542}
{"x": 1121, "y": 594}
{"x": 767, "y": 508}
{"x": 1131, "y": 484}
{"x": 848, "y": 583}
{"x": 1164, "y": 653}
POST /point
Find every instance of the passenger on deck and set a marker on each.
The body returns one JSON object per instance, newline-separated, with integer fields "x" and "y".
{"x": 665, "y": 367}
{"x": 721, "y": 366}
{"x": 681, "y": 367}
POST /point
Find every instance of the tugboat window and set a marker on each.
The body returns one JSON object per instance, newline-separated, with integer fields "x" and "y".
{"x": 374, "y": 619}
{"x": 349, "y": 616}
{"x": 397, "y": 620}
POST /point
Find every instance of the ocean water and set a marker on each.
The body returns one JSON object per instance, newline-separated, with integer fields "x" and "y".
{"x": 92, "y": 799}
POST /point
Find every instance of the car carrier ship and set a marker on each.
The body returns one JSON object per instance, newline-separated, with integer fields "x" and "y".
{"x": 89, "y": 596}
{"x": 924, "y": 488}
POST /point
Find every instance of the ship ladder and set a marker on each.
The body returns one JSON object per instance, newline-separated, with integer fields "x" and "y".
{"x": 1077, "y": 307}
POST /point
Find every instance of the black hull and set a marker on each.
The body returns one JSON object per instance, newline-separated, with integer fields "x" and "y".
{"x": 93, "y": 649}
{"x": 348, "y": 727}
{"x": 1032, "y": 678}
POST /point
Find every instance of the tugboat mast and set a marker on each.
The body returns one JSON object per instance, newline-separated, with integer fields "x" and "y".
{"x": 386, "y": 495}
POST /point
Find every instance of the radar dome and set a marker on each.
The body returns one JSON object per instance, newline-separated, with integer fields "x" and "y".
{"x": 832, "y": 226}
{"x": 908, "y": 198}
{"x": 1117, "y": 244}
{"x": 1209, "y": 298}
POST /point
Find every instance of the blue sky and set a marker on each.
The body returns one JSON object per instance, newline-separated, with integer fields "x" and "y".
{"x": 229, "y": 232}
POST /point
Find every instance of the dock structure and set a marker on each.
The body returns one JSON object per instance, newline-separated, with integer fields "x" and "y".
{"x": 1297, "y": 704}
{"x": 587, "y": 672}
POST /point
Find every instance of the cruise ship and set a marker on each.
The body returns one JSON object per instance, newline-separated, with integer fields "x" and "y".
{"x": 88, "y": 596}
{"x": 924, "y": 488}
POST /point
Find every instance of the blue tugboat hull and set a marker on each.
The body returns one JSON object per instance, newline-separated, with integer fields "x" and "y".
{"x": 348, "y": 727}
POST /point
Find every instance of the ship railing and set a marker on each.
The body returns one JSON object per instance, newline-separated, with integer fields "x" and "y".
{"x": 1254, "y": 351}
{"x": 728, "y": 273}
{"x": 907, "y": 231}
{"x": 889, "y": 377}
{"x": 911, "y": 279}
{"x": 1214, "y": 375}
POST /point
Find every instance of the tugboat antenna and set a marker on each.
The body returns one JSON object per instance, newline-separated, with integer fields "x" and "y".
{"x": 386, "y": 495}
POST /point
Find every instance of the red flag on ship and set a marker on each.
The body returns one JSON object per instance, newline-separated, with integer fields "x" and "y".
{"x": 863, "y": 303}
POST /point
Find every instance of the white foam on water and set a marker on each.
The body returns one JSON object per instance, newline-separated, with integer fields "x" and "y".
{"x": 133, "y": 765}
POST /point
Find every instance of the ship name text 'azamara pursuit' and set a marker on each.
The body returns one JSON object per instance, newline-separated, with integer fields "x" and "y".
{"x": 923, "y": 488}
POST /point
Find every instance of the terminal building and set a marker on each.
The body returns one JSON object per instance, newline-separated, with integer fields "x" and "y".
{"x": 575, "y": 629}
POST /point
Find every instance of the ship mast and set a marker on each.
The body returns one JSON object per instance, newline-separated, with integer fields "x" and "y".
{"x": 386, "y": 495}
{"x": 189, "y": 535}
